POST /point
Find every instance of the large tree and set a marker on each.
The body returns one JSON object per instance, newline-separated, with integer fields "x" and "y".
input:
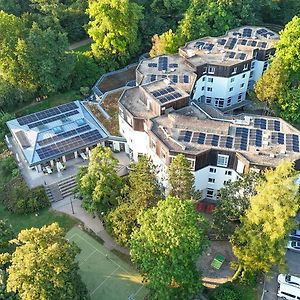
{"x": 166, "y": 246}
{"x": 259, "y": 243}
{"x": 113, "y": 27}
{"x": 279, "y": 85}
{"x": 101, "y": 185}
{"x": 234, "y": 200}
{"x": 181, "y": 178}
{"x": 6, "y": 235}
{"x": 141, "y": 193}
{"x": 43, "y": 266}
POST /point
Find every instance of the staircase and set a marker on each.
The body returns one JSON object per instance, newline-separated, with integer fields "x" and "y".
{"x": 62, "y": 189}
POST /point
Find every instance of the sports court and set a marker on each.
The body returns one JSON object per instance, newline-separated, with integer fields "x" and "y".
{"x": 106, "y": 276}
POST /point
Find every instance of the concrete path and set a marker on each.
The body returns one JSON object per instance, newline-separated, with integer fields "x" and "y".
{"x": 95, "y": 224}
{"x": 80, "y": 43}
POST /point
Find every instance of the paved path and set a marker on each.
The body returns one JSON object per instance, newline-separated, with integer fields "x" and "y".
{"x": 80, "y": 43}
{"x": 94, "y": 224}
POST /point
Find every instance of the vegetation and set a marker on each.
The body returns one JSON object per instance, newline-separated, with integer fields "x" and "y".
{"x": 181, "y": 178}
{"x": 165, "y": 247}
{"x": 234, "y": 200}
{"x": 100, "y": 185}
{"x": 43, "y": 266}
{"x": 279, "y": 85}
{"x": 259, "y": 243}
{"x": 141, "y": 193}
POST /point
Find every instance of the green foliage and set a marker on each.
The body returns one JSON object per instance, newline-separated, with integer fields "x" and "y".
{"x": 101, "y": 185}
{"x": 141, "y": 193}
{"x": 4, "y": 117}
{"x": 279, "y": 85}
{"x": 18, "y": 198}
{"x": 181, "y": 178}
{"x": 113, "y": 27}
{"x": 260, "y": 242}
{"x": 234, "y": 200}
{"x": 43, "y": 266}
{"x": 226, "y": 291}
{"x": 6, "y": 235}
{"x": 165, "y": 247}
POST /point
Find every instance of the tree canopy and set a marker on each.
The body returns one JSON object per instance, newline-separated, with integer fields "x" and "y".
{"x": 259, "y": 243}
{"x": 165, "y": 247}
{"x": 43, "y": 266}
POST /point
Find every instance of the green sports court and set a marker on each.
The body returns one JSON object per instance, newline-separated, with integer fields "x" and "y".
{"x": 106, "y": 276}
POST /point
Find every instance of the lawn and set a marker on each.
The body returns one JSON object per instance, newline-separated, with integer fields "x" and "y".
{"x": 44, "y": 217}
{"x": 106, "y": 276}
{"x": 51, "y": 101}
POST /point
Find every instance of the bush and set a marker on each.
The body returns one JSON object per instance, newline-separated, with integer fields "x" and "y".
{"x": 18, "y": 198}
{"x": 226, "y": 291}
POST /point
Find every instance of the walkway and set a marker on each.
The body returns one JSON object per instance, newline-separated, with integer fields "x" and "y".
{"x": 80, "y": 43}
{"x": 95, "y": 224}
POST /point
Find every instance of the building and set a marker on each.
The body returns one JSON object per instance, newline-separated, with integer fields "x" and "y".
{"x": 49, "y": 138}
{"x": 180, "y": 102}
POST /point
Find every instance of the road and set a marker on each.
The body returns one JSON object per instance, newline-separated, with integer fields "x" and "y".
{"x": 293, "y": 261}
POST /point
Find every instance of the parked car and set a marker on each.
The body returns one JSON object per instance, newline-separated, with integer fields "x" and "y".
{"x": 293, "y": 245}
{"x": 289, "y": 279}
{"x": 295, "y": 235}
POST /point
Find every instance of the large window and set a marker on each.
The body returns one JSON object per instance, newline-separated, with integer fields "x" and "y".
{"x": 211, "y": 180}
{"x": 222, "y": 160}
{"x": 209, "y": 193}
{"x": 211, "y": 70}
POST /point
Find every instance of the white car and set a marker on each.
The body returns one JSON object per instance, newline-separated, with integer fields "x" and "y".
{"x": 295, "y": 235}
{"x": 294, "y": 246}
{"x": 289, "y": 279}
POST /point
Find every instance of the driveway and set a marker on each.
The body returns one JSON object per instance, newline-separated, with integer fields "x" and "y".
{"x": 271, "y": 285}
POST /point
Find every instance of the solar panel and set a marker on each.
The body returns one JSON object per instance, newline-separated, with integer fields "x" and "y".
{"x": 243, "y": 42}
{"x": 186, "y": 78}
{"x": 201, "y": 138}
{"x": 67, "y": 107}
{"x": 174, "y": 78}
{"x": 152, "y": 65}
{"x": 174, "y": 65}
{"x": 221, "y": 41}
{"x": 152, "y": 77}
{"x": 277, "y": 125}
{"x": 169, "y": 89}
{"x": 162, "y": 63}
{"x": 199, "y": 45}
{"x": 215, "y": 140}
{"x": 260, "y": 123}
{"x": 247, "y": 32}
{"x": 229, "y": 142}
{"x": 208, "y": 46}
{"x": 261, "y": 30}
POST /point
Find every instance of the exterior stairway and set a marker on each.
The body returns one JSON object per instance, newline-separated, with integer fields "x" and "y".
{"x": 62, "y": 189}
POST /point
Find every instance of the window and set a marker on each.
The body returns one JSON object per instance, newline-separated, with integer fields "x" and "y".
{"x": 204, "y": 70}
{"x": 240, "y": 97}
{"x": 265, "y": 66}
{"x": 209, "y": 193}
{"x": 129, "y": 120}
{"x": 226, "y": 181}
{"x": 211, "y": 70}
{"x": 202, "y": 89}
{"x": 208, "y": 100}
{"x": 232, "y": 79}
{"x": 244, "y": 75}
{"x": 163, "y": 154}
{"x": 211, "y": 180}
{"x": 242, "y": 85}
{"x": 203, "y": 78}
{"x": 234, "y": 70}
{"x": 153, "y": 144}
{"x": 231, "y": 89}
{"x": 212, "y": 170}
{"x": 228, "y": 172}
{"x": 219, "y": 102}
{"x": 253, "y": 65}
{"x": 228, "y": 101}
{"x": 210, "y": 79}
{"x": 192, "y": 162}
{"x": 222, "y": 160}
{"x": 245, "y": 67}
{"x": 209, "y": 89}
{"x": 251, "y": 74}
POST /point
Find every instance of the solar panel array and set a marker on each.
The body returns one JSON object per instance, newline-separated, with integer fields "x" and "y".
{"x": 221, "y": 42}
{"x": 46, "y": 113}
{"x": 260, "y": 123}
{"x": 247, "y": 32}
{"x": 240, "y": 55}
{"x": 64, "y": 135}
{"x": 274, "y": 125}
{"x": 292, "y": 142}
{"x": 241, "y": 138}
{"x": 277, "y": 138}
{"x": 255, "y": 138}
{"x": 82, "y": 140}
{"x": 166, "y": 94}
{"x": 231, "y": 42}
{"x": 163, "y": 63}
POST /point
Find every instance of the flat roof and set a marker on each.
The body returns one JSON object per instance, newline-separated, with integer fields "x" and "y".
{"x": 55, "y": 132}
{"x": 236, "y": 46}
{"x": 260, "y": 139}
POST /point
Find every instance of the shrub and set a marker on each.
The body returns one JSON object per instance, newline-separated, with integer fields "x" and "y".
{"x": 226, "y": 291}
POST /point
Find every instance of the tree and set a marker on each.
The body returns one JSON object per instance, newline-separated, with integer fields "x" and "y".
{"x": 260, "y": 241}
{"x": 279, "y": 85}
{"x": 6, "y": 235}
{"x": 141, "y": 193}
{"x": 234, "y": 200}
{"x": 181, "y": 179}
{"x": 4, "y": 117}
{"x": 43, "y": 266}
{"x": 165, "y": 247}
{"x": 113, "y": 27}
{"x": 167, "y": 43}
{"x": 101, "y": 185}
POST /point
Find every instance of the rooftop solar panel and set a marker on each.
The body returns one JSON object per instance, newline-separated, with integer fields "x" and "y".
{"x": 188, "y": 136}
{"x": 221, "y": 41}
{"x": 229, "y": 142}
{"x": 201, "y": 138}
{"x": 174, "y": 65}
{"x": 186, "y": 78}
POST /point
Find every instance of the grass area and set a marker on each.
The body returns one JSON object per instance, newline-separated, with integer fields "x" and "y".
{"x": 248, "y": 292}
{"x": 44, "y": 217}
{"x": 117, "y": 80}
{"x": 106, "y": 276}
{"x": 51, "y": 101}
{"x": 111, "y": 106}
